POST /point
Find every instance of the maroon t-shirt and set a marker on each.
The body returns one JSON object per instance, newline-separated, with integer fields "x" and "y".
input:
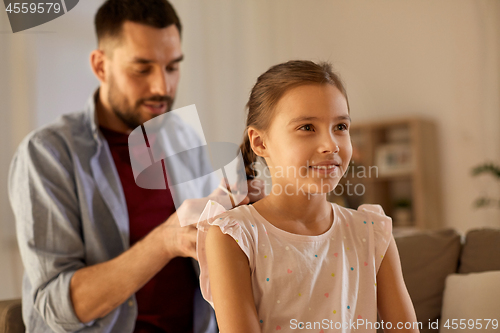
{"x": 165, "y": 303}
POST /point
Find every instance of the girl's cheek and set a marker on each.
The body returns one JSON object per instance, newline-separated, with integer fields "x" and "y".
{"x": 347, "y": 144}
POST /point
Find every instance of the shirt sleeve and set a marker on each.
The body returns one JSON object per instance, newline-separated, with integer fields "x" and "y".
{"x": 45, "y": 204}
{"x": 382, "y": 230}
{"x": 215, "y": 215}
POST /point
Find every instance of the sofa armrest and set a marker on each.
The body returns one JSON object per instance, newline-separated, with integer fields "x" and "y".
{"x": 11, "y": 319}
{"x": 480, "y": 251}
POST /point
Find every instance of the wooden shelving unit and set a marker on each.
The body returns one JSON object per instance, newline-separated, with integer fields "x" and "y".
{"x": 395, "y": 164}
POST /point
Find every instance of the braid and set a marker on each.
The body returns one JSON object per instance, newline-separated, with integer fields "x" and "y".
{"x": 249, "y": 156}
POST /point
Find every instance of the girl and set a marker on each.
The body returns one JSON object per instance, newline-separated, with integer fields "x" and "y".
{"x": 293, "y": 260}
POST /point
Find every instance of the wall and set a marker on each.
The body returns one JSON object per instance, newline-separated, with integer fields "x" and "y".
{"x": 14, "y": 89}
{"x": 440, "y": 60}
{"x": 44, "y": 72}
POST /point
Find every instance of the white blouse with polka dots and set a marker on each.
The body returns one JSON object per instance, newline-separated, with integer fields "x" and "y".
{"x": 316, "y": 283}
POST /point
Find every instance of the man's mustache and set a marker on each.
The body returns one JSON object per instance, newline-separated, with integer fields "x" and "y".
{"x": 156, "y": 98}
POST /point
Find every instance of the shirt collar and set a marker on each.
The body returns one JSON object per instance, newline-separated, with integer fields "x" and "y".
{"x": 90, "y": 110}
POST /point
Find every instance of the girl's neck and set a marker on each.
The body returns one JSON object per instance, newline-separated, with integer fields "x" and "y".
{"x": 299, "y": 214}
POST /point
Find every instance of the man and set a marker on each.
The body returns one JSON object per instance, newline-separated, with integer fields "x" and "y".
{"x": 100, "y": 253}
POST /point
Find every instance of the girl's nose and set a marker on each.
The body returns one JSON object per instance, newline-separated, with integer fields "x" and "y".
{"x": 330, "y": 145}
{"x": 333, "y": 150}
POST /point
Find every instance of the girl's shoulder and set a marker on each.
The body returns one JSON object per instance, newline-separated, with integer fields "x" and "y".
{"x": 372, "y": 212}
{"x": 238, "y": 222}
{"x": 372, "y": 208}
{"x": 242, "y": 216}
{"x": 370, "y": 224}
{"x": 367, "y": 218}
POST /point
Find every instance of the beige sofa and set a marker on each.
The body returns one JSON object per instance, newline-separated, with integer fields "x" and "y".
{"x": 10, "y": 317}
{"x": 427, "y": 258}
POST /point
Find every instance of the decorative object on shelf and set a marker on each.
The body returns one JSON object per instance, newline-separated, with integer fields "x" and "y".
{"x": 394, "y": 159}
{"x": 400, "y": 159}
{"x": 487, "y": 168}
{"x": 402, "y": 213}
{"x": 398, "y": 134}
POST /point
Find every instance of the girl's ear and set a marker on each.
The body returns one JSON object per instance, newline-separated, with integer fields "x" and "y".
{"x": 257, "y": 142}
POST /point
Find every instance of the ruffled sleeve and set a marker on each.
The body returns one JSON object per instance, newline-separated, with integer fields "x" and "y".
{"x": 382, "y": 230}
{"x": 229, "y": 223}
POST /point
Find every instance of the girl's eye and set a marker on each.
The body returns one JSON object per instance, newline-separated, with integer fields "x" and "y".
{"x": 306, "y": 128}
{"x": 342, "y": 127}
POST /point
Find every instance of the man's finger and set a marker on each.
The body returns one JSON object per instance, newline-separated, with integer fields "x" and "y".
{"x": 245, "y": 201}
{"x": 191, "y": 234}
{"x": 193, "y": 254}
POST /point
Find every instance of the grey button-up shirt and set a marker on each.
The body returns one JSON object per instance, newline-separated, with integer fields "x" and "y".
{"x": 70, "y": 212}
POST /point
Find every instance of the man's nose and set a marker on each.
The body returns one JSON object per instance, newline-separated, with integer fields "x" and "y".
{"x": 160, "y": 84}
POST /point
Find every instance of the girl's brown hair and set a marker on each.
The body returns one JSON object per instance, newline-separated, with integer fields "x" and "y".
{"x": 271, "y": 86}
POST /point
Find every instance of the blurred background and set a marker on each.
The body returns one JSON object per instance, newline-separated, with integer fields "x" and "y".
{"x": 423, "y": 79}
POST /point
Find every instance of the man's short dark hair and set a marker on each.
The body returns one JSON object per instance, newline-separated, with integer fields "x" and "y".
{"x": 113, "y": 13}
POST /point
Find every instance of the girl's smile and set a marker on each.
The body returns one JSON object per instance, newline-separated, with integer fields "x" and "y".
{"x": 326, "y": 169}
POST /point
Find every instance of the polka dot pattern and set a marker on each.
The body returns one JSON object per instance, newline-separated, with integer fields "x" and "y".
{"x": 311, "y": 277}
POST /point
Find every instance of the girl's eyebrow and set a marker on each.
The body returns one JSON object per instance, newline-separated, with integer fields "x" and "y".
{"x": 300, "y": 119}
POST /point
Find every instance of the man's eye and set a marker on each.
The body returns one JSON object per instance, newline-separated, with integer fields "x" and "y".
{"x": 144, "y": 71}
{"x": 172, "y": 69}
{"x": 306, "y": 128}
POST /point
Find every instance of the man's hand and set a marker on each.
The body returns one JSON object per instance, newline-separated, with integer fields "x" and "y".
{"x": 255, "y": 191}
{"x": 179, "y": 241}
{"x": 179, "y": 231}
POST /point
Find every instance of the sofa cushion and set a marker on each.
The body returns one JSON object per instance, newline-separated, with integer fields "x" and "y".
{"x": 11, "y": 320}
{"x": 473, "y": 299}
{"x": 427, "y": 258}
{"x": 480, "y": 251}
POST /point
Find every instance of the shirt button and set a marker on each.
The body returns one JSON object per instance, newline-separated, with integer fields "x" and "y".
{"x": 131, "y": 303}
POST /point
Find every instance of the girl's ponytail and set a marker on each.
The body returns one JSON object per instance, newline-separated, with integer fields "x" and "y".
{"x": 249, "y": 156}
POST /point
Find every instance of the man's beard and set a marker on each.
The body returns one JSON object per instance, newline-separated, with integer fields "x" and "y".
{"x": 131, "y": 116}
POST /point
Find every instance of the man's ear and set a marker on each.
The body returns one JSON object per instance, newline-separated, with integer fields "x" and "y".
{"x": 257, "y": 142}
{"x": 97, "y": 63}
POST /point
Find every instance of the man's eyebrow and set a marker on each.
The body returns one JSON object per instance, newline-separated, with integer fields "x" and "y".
{"x": 178, "y": 59}
{"x": 301, "y": 119}
{"x": 144, "y": 61}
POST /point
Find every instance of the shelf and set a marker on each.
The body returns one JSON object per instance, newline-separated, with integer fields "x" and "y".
{"x": 404, "y": 176}
{"x": 406, "y": 147}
